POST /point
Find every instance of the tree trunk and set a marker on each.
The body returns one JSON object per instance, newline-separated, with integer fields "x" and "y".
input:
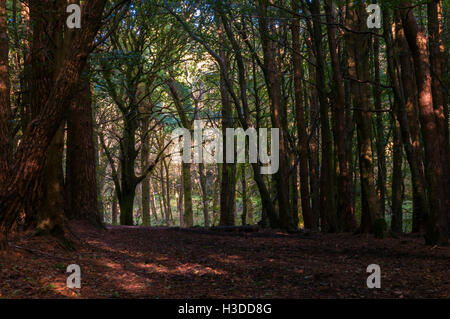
{"x": 5, "y": 111}
{"x": 345, "y": 206}
{"x": 244, "y": 197}
{"x": 152, "y": 201}
{"x": 327, "y": 182}
{"x": 437, "y": 223}
{"x": 114, "y": 210}
{"x": 188, "y": 217}
{"x": 101, "y": 185}
{"x": 228, "y": 178}
{"x": 128, "y": 180}
{"x": 202, "y": 177}
{"x": 181, "y": 200}
{"x": 436, "y": 49}
{"x": 396, "y": 219}
{"x": 301, "y": 123}
{"x": 81, "y": 179}
{"x": 145, "y": 184}
{"x": 163, "y": 199}
{"x": 216, "y": 195}
{"x": 313, "y": 150}
{"x": 379, "y": 129}
{"x": 358, "y": 62}
{"x": 45, "y": 209}
{"x": 408, "y": 114}
{"x": 168, "y": 198}
{"x": 30, "y": 157}
{"x": 273, "y": 80}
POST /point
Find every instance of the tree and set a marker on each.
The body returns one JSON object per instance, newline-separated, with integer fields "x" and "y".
{"x": 344, "y": 177}
{"x": 437, "y": 220}
{"x": 81, "y": 179}
{"x": 30, "y": 157}
{"x": 327, "y": 180}
{"x": 358, "y": 62}
{"x": 5, "y": 111}
{"x": 273, "y": 80}
{"x": 301, "y": 125}
{"x": 188, "y": 218}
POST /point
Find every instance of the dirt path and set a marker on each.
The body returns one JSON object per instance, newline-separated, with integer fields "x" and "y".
{"x": 133, "y": 262}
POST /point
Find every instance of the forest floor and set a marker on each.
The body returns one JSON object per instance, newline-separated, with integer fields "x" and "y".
{"x": 138, "y": 262}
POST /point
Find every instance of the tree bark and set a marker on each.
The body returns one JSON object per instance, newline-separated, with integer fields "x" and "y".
{"x": 167, "y": 190}
{"x": 437, "y": 220}
{"x": 436, "y": 49}
{"x": 5, "y": 109}
{"x": 301, "y": 123}
{"x": 81, "y": 179}
{"x": 327, "y": 182}
{"x": 396, "y": 219}
{"x": 313, "y": 149}
{"x": 203, "y": 185}
{"x": 345, "y": 206}
{"x": 114, "y": 210}
{"x": 145, "y": 184}
{"x": 188, "y": 218}
{"x": 273, "y": 80}
{"x": 228, "y": 179}
{"x": 358, "y": 63}
{"x": 30, "y": 157}
{"x": 244, "y": 197}
{"x": 409, "y": 123}
{"x": 379, "y": 129}
{"x": 180, "y": 199}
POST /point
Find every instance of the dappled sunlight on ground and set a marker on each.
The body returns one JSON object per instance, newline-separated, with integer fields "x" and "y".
{"x": 132, "y": 262}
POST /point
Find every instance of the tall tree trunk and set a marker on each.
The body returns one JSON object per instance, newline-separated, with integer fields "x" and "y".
{"x": 180, "y": 199}
{"x": 145, "y": 184}
{"x": 228, "y": 179}
{"x": 250, "y": 217}
{"x": 294, "y": 190}
{"x": 160, "y": 201}
{"x": 129, "y": 181}
{"x": 273, "y": 80}
{"x": 188, "y": 217}
{"x": 313, "y": 150}
{"x": 244, "y": 112}
{"x": 437, "y": 220}
{"x": 30, "y": 156}
{"x": 203, "y": 185}
{"x": 25, "y": 111}
{"x": 168, "y": 198}
{"x": 5, "y": 111}
{"x": 114, "y": 209}
{"x": 100, "y": 177}
{"x": 163, "y": 199}
{"x": 301, "y": 123}
{"x": 49, "y": 216}
{"x": 327, "y": 182}
{"x": 152, "y": 201}
{"x": 436, "y": 49}
{"x": 358, "y": 62}
{"x": 216, "y": 200}
{"x": 409, "y": 122}
{"x": 379, "y": 129}
{"x": 46, "y": 57}
{"x": 81, "y": 178}
{"x": 397, "y": 159}
{"x": 244, "y": 197}
{"x": 345, "y": 206}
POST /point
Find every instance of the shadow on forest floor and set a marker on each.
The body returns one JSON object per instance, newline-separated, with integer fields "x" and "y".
{"x": 143, "y": 262}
